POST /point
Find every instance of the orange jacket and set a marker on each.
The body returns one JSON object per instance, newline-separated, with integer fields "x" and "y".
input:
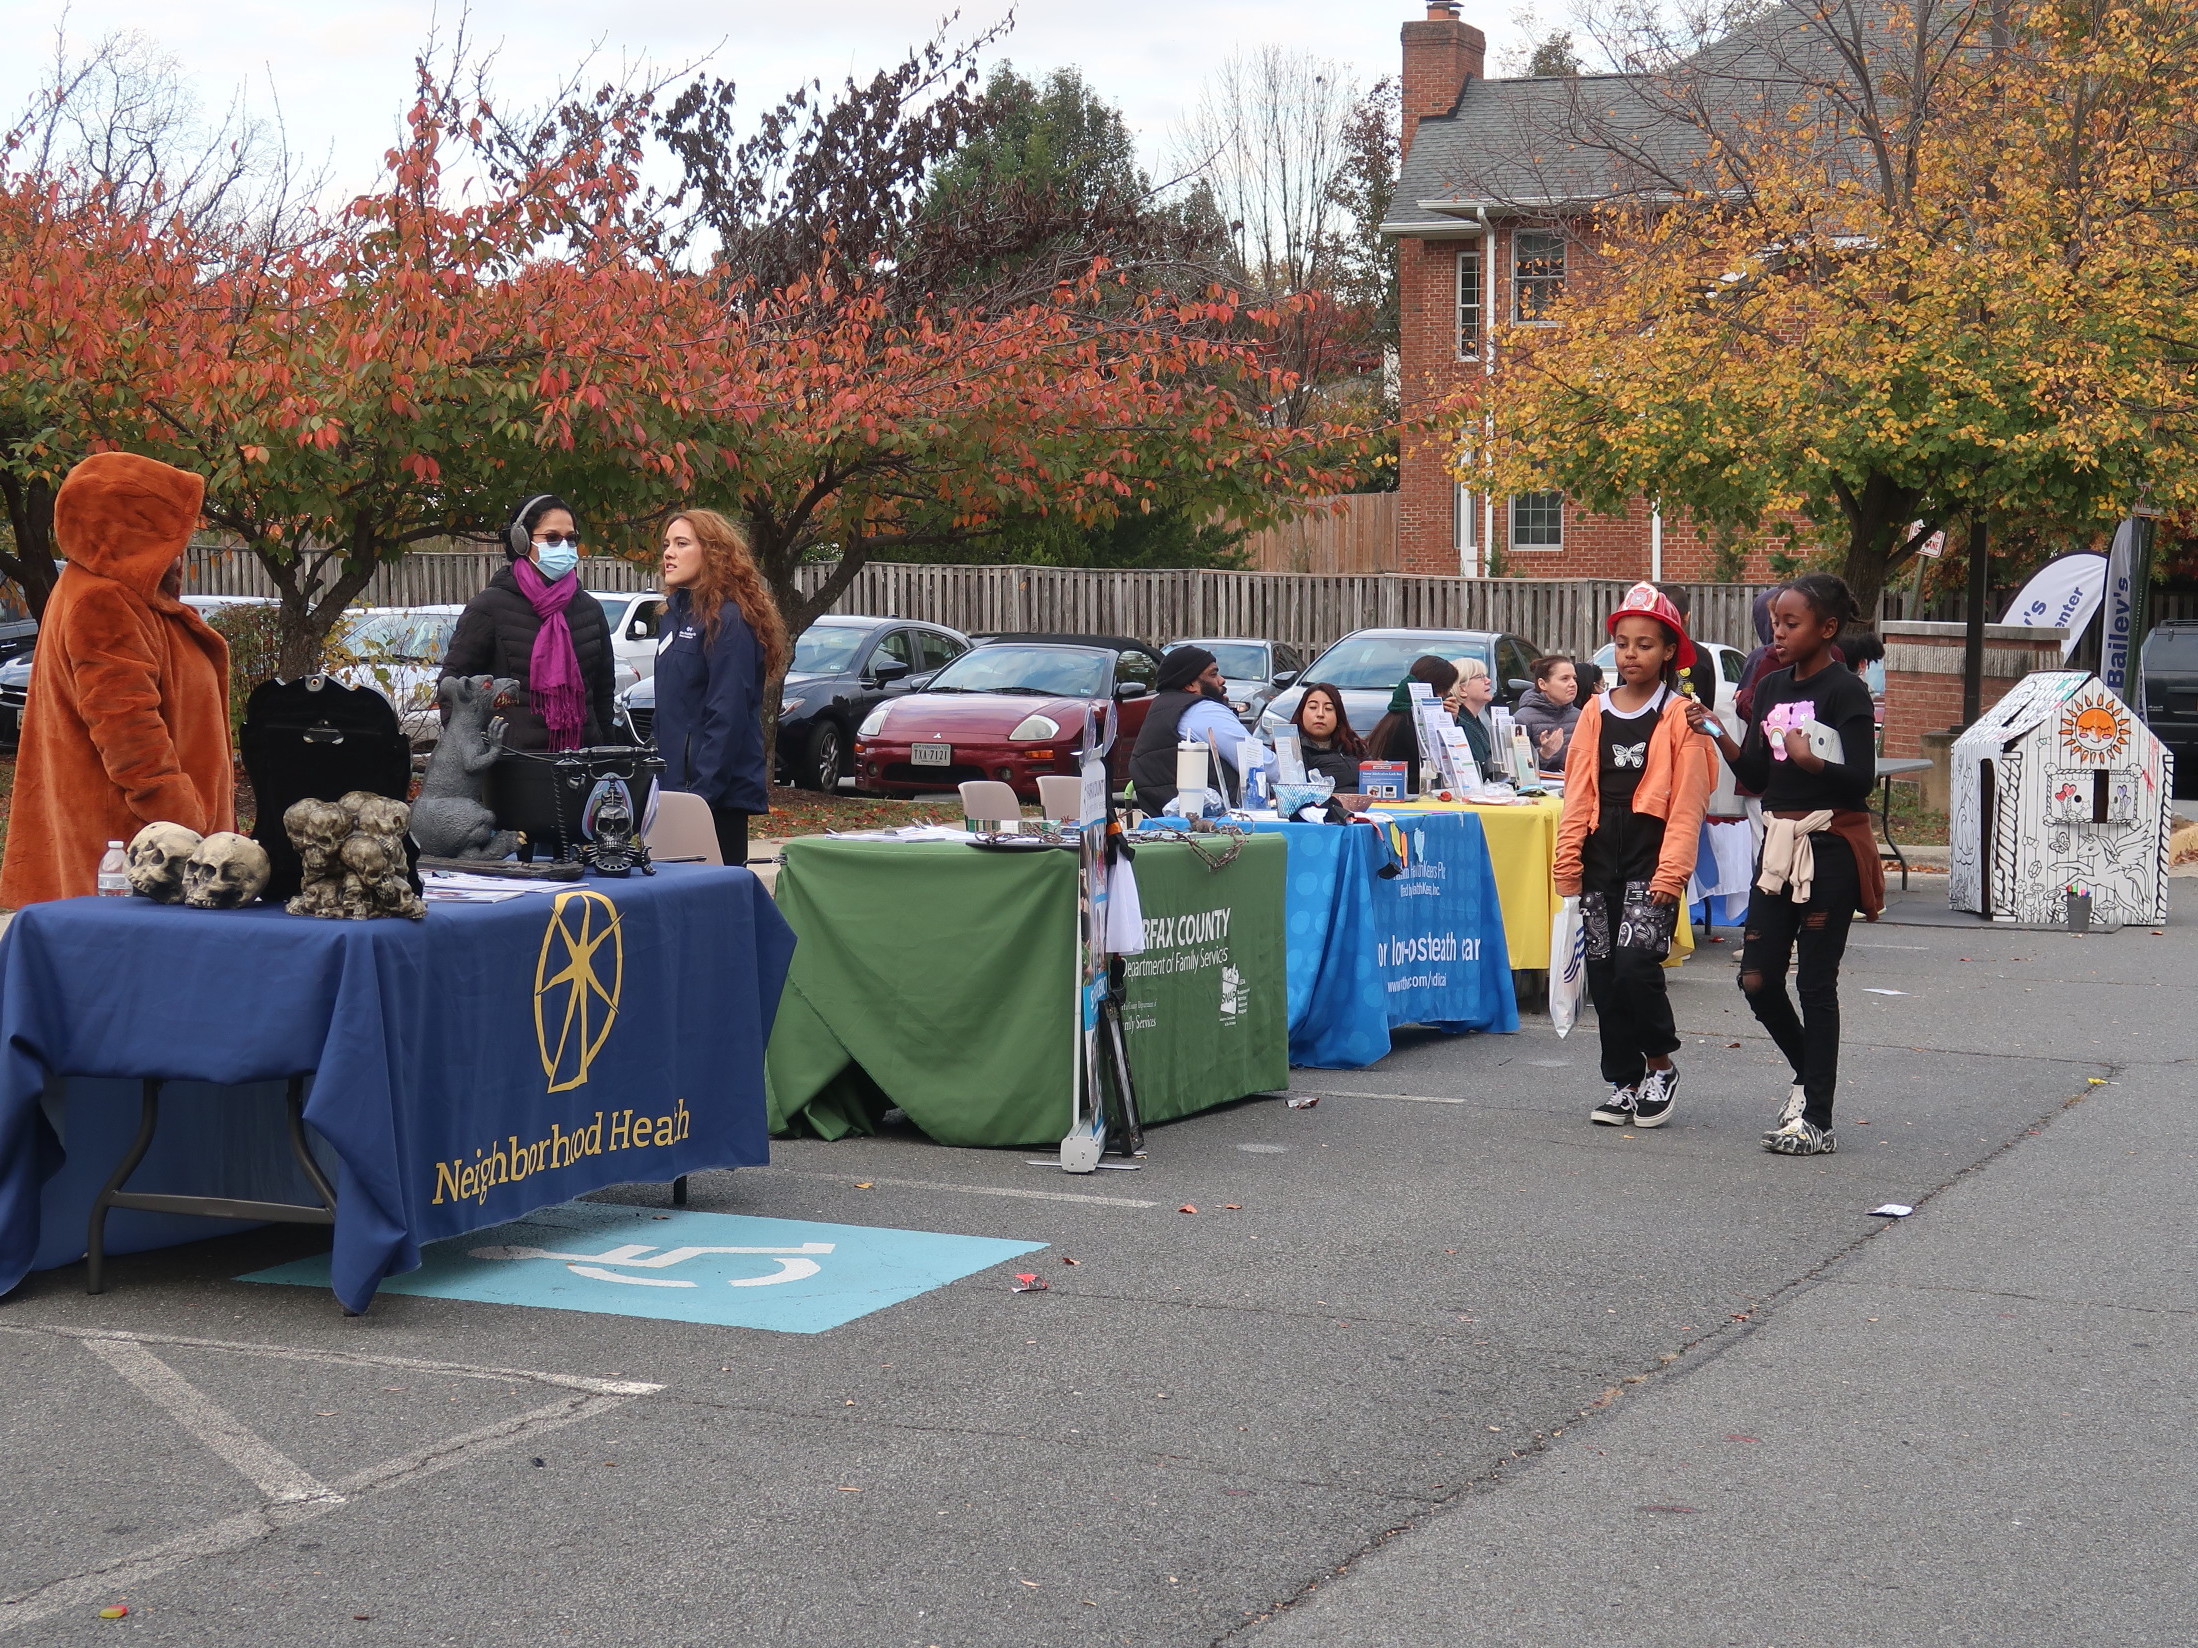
{"x": 1675, "y": 786}
{"x": 128, "y": 718}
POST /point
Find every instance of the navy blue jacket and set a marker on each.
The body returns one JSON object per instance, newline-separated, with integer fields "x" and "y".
{"x": 709, "y": 708}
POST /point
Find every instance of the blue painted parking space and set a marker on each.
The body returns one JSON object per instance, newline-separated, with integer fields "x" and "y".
{"x": 728, "y": 1270}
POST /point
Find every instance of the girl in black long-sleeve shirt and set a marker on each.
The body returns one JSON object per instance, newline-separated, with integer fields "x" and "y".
{"x": 1818, "y": 864}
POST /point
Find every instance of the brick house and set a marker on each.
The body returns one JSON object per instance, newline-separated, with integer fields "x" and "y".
{"x": 1479, "y": 217}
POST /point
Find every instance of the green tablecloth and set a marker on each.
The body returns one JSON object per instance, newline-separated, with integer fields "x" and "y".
{"x": 941, "y": 978}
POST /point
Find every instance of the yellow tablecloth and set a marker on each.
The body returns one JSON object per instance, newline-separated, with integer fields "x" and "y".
{"x": 1522, "y": 847}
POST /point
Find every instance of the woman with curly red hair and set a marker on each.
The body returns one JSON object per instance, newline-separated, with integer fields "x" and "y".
{"x": 722, "y": 643}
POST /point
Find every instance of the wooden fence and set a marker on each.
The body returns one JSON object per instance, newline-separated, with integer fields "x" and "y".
{"x": 1308, "y": 609}
{"x": 1353, "y": 533}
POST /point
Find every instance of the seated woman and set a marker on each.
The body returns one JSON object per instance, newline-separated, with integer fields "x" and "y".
{"x": 1324, "y": 733}
{"x": 535, "y": 625}
{"x": 1395, "y": 737}
{"x": 1550, "y": 709}
{"x": 1469, "y": 701}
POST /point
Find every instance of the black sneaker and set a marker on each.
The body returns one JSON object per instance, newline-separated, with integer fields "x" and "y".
{"x": 1801, "y": 1138}
{"x": 1617, "y": 1110}
{"x": 1652, "y": 1099}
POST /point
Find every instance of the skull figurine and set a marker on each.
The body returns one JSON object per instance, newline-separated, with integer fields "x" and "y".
{"x": 318, "y": 830}
{"x": 157, "y": 855}
{"x": 225, "y": 871}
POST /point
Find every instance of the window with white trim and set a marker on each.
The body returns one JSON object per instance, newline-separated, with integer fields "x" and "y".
{"x": 1538, "y": 520}
{"x": 1537, "y": 273}
{"x": 1469, "y": 303}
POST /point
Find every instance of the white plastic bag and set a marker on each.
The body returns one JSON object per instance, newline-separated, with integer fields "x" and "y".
{"x": 1567, "y": 965}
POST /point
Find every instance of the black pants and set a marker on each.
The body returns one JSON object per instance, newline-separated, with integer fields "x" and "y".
{"x": 732, "y": 834}
{"x": 1632, "y": 1006}
{"x": 1777, "y": 930}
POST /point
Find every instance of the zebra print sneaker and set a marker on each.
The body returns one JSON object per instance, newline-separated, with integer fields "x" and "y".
{"x": 1789, "y": 1113}
{"x": 1801, "y": 1138}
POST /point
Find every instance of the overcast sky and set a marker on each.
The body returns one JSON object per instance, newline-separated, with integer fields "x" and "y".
{"x": 342, "y": 67}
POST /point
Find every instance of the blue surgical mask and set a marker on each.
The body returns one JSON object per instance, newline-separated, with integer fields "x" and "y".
{"x": 553, "y": 561}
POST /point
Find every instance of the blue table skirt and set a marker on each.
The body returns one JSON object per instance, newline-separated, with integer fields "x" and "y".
{"x": 466, "y": 1069}
{"x": 1367, "y": 953}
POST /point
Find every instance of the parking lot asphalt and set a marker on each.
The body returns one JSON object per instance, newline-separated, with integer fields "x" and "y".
{"x": 1392, "y": 1317}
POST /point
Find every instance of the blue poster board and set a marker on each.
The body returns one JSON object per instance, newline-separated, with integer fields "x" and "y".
{"x": 1368, "y": 952}
{"x": 466, "y": 1069}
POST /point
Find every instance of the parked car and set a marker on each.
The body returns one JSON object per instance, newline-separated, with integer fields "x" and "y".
{"x": 1251, "y": 671}
{"x": 18, "y": 641}
{"x": 843, "y": 666}
{"x": 630, "y": 616}
{"x": 2169, "y": 660}
{"x": 1011, "y": 709}
{"x": 1366, "y": 665}
{"x": 400, "y": 653}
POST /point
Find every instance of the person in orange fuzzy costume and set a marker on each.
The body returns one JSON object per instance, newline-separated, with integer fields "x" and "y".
{"x": 128, "y": 716}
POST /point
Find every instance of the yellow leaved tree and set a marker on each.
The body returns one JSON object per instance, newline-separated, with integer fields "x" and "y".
{"x": 1871, "y": 263}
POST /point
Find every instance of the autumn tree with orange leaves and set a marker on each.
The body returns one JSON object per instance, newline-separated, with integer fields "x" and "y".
{"x": 411, "y": 369}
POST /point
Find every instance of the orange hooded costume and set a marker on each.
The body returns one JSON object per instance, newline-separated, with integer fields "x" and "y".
{"x": 127, "y": 722}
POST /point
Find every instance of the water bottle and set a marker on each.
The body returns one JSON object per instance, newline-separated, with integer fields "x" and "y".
{"x": 114, "y": 872}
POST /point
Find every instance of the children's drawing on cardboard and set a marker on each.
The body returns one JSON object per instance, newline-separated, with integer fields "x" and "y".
{"x": 2060, "y": 784}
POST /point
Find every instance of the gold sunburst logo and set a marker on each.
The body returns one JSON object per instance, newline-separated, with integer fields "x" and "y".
{"x": 577, "y": 978}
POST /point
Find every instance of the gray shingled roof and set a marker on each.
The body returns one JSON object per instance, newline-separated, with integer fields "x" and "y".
{"x": 1513, "y": 146}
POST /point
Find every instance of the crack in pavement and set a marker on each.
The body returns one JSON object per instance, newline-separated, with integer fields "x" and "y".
{"x": 1698, "y": 1354}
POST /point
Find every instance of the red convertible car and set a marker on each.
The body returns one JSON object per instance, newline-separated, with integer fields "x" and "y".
{"x": 1010, "y": 709}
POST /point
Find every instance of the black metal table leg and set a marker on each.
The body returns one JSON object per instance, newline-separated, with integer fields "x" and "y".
{"x": 1885, "y": 828}
{"x": 95, "y": 1239}
{"x": 679, "y": 1191}
{"x": 113, "y": 1195}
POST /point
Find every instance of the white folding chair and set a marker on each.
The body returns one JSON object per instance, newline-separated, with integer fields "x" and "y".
{"x": 988, "y": 801}
{"x": 1060, "y": 797}
{"x": 684, "y": 828}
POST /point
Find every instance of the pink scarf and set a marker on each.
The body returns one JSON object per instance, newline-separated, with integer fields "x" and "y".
{"x": 553, "y": 668}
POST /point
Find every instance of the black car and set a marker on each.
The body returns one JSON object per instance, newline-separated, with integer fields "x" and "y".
{"x": 2170, "y": 663}
{"x": 842, "y": 668}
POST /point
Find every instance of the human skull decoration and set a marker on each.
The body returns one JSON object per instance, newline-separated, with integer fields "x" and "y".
{"x": 224, "y": 871}
{"x": 353, "y": 857}
{"x": 157, "y": 855}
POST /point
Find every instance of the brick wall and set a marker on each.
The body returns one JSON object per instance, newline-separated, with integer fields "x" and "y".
{"x": 1923, "y": 666}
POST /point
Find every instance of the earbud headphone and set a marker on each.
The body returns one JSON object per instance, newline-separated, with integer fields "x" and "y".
{"x": 519, "y": 537}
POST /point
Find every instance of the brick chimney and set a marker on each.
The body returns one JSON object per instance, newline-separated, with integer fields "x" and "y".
{"x": 1440, "y": 55}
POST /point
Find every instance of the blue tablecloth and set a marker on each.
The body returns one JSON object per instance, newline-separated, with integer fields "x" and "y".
{"x": 1368, "y": 953}
{"x": 467, "y": 1069}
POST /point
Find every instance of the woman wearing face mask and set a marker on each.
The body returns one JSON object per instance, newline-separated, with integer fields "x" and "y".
{"x": 535, "y": 625}
{"x": 723, "y": 643}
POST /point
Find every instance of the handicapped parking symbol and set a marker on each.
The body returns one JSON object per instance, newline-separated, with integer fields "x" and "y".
{"x": 630, "y": 1255}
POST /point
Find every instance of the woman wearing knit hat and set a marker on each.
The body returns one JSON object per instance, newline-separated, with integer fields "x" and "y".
{"x": 1637, "y": 780}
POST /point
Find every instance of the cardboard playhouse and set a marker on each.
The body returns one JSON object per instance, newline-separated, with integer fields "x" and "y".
{"x": 2060, "y": 785}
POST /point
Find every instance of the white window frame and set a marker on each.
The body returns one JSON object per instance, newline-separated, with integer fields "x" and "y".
{"x": 1465, "y": 531}
{"x": 1518, "y": 309}
{"x": 1472, "y": 258}
{"x": 1536, "y": 549}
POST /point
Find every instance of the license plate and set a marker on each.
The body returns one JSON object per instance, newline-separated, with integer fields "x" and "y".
{"x": 931, "y": 755}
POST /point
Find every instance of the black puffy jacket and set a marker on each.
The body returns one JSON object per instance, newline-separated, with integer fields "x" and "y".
{"x": 495, "y": 636}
